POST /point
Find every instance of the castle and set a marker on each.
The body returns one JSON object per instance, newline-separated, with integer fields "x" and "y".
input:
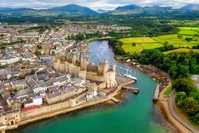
{"x": 78, "y": 65}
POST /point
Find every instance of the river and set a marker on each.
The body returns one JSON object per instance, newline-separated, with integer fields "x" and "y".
{"x": 136, "y": 114}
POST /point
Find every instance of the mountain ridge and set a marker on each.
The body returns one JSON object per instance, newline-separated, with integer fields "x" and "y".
{"x": 190, "y": 7}
{"x": 73, "y": 8}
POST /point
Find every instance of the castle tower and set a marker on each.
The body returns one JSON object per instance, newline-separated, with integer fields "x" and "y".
{"x": 82, "y": 73}
{"x": 74, "y": 58}
{"x": 83, "y": 64}
{"x": 114, "y": 67}
{"x": 106, "y": 67}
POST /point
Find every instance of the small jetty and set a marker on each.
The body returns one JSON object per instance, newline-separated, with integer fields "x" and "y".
{"x": 124, "y": 81}
{"x": 156, "y": 93}
{"x": 115, "y": 100}
{"x": 135, "y": 90}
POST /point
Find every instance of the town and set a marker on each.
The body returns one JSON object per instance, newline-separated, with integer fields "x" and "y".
{"x": 44, "y": 71}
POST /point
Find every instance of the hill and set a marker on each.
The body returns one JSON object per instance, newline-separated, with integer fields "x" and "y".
{"x": 191, "y": 7}
{"x": 102, "y": 11}
{"x": 157, "y": 8}
{"x": 7, "y": 9}
{"x": 128, "y": 7}
{"x": 73, "y": 8}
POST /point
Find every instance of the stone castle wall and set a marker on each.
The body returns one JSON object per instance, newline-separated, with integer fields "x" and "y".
{"x": 60, "y": 63}
{"x": 44, "y": 110}
{"x": 95, "y": 78}
{"x": 92, "y": 68}
{"x": 102, "y": 85}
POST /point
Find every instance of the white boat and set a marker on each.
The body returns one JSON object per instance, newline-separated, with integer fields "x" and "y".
{"x": 131, "y": 77}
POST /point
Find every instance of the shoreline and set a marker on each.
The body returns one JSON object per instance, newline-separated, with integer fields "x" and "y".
{"x": 163, "y": 102}
{"x": 64, "y": 111}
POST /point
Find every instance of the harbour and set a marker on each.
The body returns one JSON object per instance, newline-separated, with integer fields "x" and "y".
{"x": 133, "y": 110}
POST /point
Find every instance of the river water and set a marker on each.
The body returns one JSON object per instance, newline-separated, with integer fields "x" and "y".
{"x": 136, "y": 114}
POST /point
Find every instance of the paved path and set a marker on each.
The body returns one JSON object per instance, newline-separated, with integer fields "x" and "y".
{"x": 176, "y": 115}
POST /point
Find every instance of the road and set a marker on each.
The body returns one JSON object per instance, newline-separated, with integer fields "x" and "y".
{"x": 176, "y": 115}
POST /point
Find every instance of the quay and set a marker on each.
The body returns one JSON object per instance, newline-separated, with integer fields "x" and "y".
{"x": 114, "y": 99}
{"x": 156, "y": 93}
{"x": 124, "y": 81}
{"x": 135, "y": 90}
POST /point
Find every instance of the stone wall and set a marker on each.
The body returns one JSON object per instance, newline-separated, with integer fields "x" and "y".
{"x": 102, "y": 85}
{"x": 100, "y": 68}
{"x": 92, "y": 68}
{"x": 44, "y": 110}
{"x": 94, "y": 78}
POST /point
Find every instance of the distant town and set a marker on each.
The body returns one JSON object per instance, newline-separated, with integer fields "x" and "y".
{"x": 44, "y": 72}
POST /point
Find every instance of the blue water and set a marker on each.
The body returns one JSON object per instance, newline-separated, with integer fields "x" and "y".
{"x": 136, "y": 114}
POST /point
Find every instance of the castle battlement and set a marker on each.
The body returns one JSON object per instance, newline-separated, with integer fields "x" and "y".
{"x": 70, "y": 63}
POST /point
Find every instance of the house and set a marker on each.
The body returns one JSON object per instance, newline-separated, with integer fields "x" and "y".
{"x": 61, "y": 80}
{"x": 19, "y": 84}
{"x": 23, "y": 93}
{"x": 33, "y": 101}
{"x": 10, "y": 58}
{"x": 42, "y": 82}
{"x": 60, "y": 95}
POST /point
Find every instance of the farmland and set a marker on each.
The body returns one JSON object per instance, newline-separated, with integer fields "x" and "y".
{"x": 181, "y": 50}
{"x": 177, "y": 40}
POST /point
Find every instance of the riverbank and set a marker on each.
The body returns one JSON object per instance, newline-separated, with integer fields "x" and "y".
{"x": 63, "y": 111}
{"x": 165, "y": 79}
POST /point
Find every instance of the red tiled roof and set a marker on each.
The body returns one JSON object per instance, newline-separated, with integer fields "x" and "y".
{"x": 29, "y": 108}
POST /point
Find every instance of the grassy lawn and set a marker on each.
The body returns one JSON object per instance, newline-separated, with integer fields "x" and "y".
{"x": 154, "y": 42}
{"x": 99, "y": 75}
{"x": 137, "y": 40}
{"x": 188, "y": 30}
{"x": 151, "y": 45}
{"x": 141, "y": 43}
{"x": 174, "y": 40}
{"x": 129, "y": 48}
{"x": 167, "y": 92}
{"x": 181, "y": 50}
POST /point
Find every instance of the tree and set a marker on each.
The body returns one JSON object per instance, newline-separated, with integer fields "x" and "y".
{"x": 32, "y": 71}
{"x": 22, "y": 105}
{"x": 190, "y": 106}
{"x": 166, "y": 43}
{"x": 179, "y": 98}
{"x": 21, "y": 76}
{"x": 180, "y": 36}
{"x": 37, "y": 52}
{"x": 183, "y": 85}
{"x": 133, "y": 44}
{"x": 39, "y": 47}
{"x": 183, "y": 71}
{"x": 195, "y": 118}
{"x": 188, "y": 39}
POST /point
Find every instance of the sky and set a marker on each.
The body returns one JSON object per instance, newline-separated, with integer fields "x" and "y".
{"x": 93, "y": 4}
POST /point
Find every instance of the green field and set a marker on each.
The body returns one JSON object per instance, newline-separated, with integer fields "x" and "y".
{"x": 188, "y": 30}
{"x": 141, "y": 43}
{"x": 175, "y": 41}
{"x": 181, "y": 50}
{"x": 167, "y": 92}
{"x": 137, "y": 40}
{"x": 154, "y": 42}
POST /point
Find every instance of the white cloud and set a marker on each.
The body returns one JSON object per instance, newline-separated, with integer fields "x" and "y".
{"x": 94, "y": 4}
